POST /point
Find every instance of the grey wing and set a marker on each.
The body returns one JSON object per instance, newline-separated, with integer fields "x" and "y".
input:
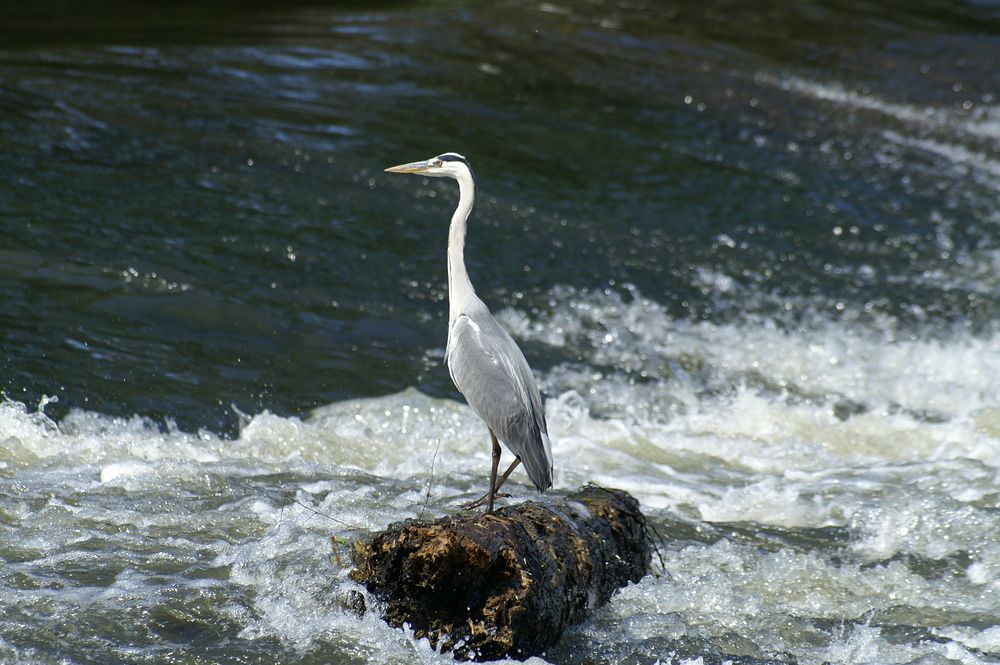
{"x": 489, "y": 369}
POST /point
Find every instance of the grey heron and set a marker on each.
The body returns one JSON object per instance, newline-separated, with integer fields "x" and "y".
{"x": 486, "y": 365}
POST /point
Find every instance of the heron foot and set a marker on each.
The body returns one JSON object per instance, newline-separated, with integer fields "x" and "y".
{"x": 483, "y": 500}
{"x": 496, "y": 488}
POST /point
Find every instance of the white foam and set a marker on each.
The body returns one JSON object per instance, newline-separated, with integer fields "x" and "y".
{"x": 895, "y": 445}
{"x": 822, "y": 359}
{"x": 983, "y": 123}
{"x": 396, "y": 435}
{"x": 787, "y": 426}
{"x": 772, "y": 600}
{"x": 983, "y": 166}
{"x": 732, "y": 422}
{"x": 298, "y": 579}
{"x": 122, "y": 473}
{"x": 987, "y": 640}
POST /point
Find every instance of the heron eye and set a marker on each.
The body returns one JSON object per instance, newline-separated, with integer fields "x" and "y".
{"x": 439, "y": 163}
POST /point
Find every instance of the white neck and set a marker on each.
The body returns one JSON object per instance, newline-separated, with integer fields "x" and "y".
{"x": 460, "y": 289}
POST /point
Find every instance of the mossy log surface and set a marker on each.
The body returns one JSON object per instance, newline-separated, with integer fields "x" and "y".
{"x": 506, "y": 584}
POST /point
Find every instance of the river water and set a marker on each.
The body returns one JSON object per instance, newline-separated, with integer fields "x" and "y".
{"x": 752, "y": 251}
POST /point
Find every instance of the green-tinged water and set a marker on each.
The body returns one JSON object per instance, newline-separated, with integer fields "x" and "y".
{"x": 751, "y": 251}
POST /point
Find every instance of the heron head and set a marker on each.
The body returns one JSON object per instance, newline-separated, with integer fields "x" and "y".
{"x": 446, "y": 165}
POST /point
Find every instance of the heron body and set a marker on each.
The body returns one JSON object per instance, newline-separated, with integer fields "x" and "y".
{"x": 485, "y": 363}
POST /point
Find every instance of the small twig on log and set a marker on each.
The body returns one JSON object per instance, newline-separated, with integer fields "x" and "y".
{"x": 654, "y": 541}
{"x": 430, "y": 482}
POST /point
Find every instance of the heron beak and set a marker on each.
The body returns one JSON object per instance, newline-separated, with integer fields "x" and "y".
{"x": 412, "y": 167}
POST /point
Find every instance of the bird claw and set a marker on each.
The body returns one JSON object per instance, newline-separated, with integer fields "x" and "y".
{"x": 483, "y": 501}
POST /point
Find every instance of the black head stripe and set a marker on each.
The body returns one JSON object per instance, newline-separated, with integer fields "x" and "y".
{"x": 452, "y": 157}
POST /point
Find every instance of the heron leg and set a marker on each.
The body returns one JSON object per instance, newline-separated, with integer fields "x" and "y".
{"x": 493, "y": 471}
{"x": 496, "y": 488}
{"x": 506, "y": 474}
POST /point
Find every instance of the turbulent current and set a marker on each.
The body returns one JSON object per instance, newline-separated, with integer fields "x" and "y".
{"x": 752, "y": 255}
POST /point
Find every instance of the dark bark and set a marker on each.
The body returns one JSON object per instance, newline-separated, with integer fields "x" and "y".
{"x": 507, "y": 584}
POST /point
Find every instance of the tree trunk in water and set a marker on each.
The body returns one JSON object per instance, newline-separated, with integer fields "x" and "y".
{"x": 507, "y": 584}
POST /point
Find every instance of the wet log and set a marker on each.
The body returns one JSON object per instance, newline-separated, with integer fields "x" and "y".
{"x": 508, "y": 584}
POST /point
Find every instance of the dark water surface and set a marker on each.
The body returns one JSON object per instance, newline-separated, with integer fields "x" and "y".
{"x": 752, "y": 250}
{"x": 194, "y": 213}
